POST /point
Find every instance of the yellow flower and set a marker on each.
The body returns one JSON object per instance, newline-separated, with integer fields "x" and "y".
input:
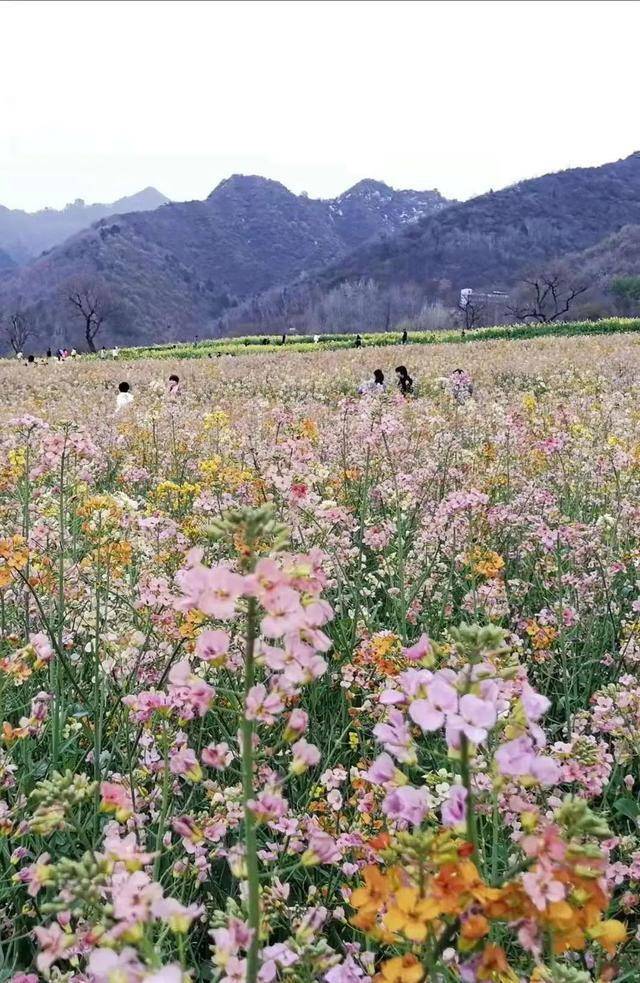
{"x": 610, "y": 934}
{"x": 14, "y": 555}
{"x": 400, "y": 969}
{"x": 411, "y": 914}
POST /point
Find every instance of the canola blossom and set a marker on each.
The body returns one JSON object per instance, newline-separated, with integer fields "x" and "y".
{"x": 301, "y": 685}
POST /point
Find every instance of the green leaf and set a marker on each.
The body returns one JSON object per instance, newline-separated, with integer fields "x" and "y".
{"x": 626, "y": 807}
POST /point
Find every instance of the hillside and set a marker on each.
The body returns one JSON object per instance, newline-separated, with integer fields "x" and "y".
{"x": 173, "y": 271}
{"x": 486, "y": 242}
{"x": 24, "y": 235}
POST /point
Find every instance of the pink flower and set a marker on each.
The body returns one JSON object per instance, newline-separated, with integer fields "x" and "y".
{"x": 346, "y": 972}
{"x": 322, "y": 849}
{"x": 396, "y": 737}
{"x": 168, "y": 974}
{"x": 383, "y": 771}
{"x": 419, "y": 650}
{"x": 518, "y": 758}
{"x": 296, "y": 724}
{"x": 212, "y": 591}
{"x": 263, "y": 706}
{"x": 284, "y": 613}
{"x": 187, "y": 693}
{"x": 184, "y": 763}
{"x": 53, "y": 943}
{"x": 217, "y": 756}
{"x": 133, "y": 896}
{"x": 42, "y": 645}
{"x": 441, "y": 700}
{"x": 125, "y": 849}
{"x": 454, "y": 810}
{"x": 305, "y": 756}
{"x": 542, "y": 888}
{"x": 268, "y": 806}
{"x": 474, "y": 720}
{"x": 106, "y": 965}
{"x": 406, "y": 804}
{"x": 117, "y": 799}
{"x": 212, "y": 646}
{"x": 37, "y": 875}
{"x": 177, "y": 916}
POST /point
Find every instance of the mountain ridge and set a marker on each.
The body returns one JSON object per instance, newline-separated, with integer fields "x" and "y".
{"x": 176, "y": 269}
{"x": 24, "y": 235}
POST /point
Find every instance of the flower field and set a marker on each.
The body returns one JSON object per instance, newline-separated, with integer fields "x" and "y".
{"x": 303, "y": 686}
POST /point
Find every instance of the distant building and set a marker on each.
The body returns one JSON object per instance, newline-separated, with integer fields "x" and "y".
{"x": 493, "y": 303}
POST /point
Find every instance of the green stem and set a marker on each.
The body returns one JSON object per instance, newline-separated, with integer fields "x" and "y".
{"x": 253, "y": 877}
{"x": 465, "y": 773}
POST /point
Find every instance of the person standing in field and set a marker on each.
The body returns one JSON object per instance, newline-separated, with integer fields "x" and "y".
{"x": 358, "y": 341}
{"x": 405, "y": 382}
{"x": 404, "y": 339}
{"x": 374, "y": 386}
{"x": 460, "y": 385}
{"x": 124, "y": 397}
{"x": 173, "y": 387}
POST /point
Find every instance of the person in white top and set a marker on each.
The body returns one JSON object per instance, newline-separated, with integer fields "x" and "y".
{"x": 124, "y": 397}
{"x": 115, "y": 351}
{"x": 375, "y": 385}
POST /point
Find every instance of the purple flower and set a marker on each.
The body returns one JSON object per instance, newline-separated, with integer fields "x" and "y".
{"x": 441, "y": 700}
{"x": 396, "y": 737}
{"x": 406, "y": 804}
{"x": 454, "y": 810}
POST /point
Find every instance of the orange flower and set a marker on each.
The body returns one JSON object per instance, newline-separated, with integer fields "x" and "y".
{"x": 457, "y": 884}
{"x": 14, "y": 555}
{"x": 474, "y": 928}
{"x": 401, "y": 969}
{"x": 494, "y": 967}
{"x": 370, "y": 898}
{"x": 411, "y": 914}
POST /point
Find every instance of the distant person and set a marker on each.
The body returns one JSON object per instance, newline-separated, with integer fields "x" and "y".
{"x": 460, "y": 385}
{"x": 124, "y": 397}
{"x": 374, "y": 386}
{"x": 284, "y": 340}
{"x": 115, "y": 352}
{"x": 265, "y": 341}
{"x": 48, "y": 353}
{"x": 73, "y": 353}
{"x": 404, "y": 339}
{"x": 31, "y": 360}
{"x": 103, "y": 352}
{"x": 19, "y": 355}
{"x": 405, "y": 382}
{"x": 173, "y": 387}
{"x": 316, "y": 338}
{"x": 358, "y": 341}
{"x": 65, "y": 354}
{"x": 195, "y": 341}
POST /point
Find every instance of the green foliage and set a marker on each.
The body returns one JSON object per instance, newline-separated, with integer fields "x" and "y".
{"x": 253, "y": 345}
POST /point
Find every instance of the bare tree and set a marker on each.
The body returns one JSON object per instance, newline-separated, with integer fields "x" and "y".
{"x": 546, "y": 297}
{"x": 472, "y": 313}
{"x": 94, "y": 304}
{"x": 18, "y": 330}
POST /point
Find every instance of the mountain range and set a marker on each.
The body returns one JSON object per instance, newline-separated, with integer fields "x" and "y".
{"x": 24, "y": 235}
{"x": 174, "y": 270}
{"x": 253, "y": 256}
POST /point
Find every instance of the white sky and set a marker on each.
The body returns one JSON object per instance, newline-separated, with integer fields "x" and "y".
{"x": 99, "y": 99}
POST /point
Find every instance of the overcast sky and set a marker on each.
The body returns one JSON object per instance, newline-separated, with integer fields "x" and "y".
{"x": 99, "y": 99}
